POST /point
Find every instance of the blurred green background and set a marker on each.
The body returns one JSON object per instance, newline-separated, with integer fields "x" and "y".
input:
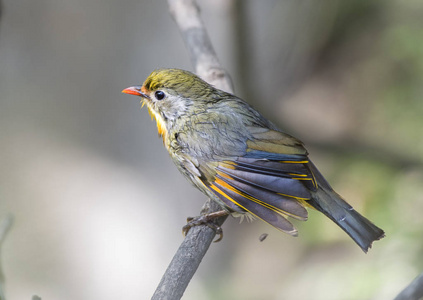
{"x": 99, "y": 206}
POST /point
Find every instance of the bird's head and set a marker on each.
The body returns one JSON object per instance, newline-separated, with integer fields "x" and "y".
{"x": 171, "y": 94}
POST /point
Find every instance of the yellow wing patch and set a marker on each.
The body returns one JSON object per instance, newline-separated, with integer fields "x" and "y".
{"x": 226, "y": 185}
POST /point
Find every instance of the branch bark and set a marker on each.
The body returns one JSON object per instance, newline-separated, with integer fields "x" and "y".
{"x": 5, "y": 225}
{"x": 186, "y": 260}
{"x": 413, "y": 291}
{"x": 186, "y": 14}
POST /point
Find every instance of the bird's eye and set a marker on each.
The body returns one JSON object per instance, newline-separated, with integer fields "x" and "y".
{"x": 159, "y": 95}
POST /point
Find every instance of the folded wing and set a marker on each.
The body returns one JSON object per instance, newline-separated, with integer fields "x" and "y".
{"x": 272, "y": 181}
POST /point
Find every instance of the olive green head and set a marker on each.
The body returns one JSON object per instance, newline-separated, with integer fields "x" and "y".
{"x": 178, "y": 82}
{"x": 171, "y": 94}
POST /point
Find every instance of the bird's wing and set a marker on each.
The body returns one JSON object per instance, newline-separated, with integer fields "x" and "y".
{"x": 271, "y": 180}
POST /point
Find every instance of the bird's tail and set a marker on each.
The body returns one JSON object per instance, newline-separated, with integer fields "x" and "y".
{"x": 327, "y": 201}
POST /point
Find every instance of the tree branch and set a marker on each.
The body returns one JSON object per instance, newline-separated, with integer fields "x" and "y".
{"x": 195, "y": 245}
{"x": 5, "y": 225}
{"x": 413, "y": 291}
{"x": 186, "y": 14}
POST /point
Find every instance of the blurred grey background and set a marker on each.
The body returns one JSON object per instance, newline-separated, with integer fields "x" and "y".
{"x": 98, "y": 206}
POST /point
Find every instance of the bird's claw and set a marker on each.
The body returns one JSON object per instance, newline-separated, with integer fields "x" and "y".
{"x": 207, "y": 220}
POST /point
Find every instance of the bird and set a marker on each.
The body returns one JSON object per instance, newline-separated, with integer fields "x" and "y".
{"x": 240, "y": 159}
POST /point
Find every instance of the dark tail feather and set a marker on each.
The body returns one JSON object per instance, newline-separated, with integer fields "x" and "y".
{"x": 327, "y": 201}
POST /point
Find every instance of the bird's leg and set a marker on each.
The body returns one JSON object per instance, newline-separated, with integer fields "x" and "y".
{"x": 206, "y": 219}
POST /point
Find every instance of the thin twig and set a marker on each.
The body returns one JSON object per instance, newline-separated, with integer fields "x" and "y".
{"x": 413, "y": 291}
{"x": 195, "y": 245}
{"x": 5, "y": 225}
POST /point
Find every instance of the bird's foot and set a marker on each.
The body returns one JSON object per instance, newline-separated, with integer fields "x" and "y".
{"x": 206, "y": 219}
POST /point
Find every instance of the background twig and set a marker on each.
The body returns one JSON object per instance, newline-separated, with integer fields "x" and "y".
{"x": 192, "y": 250}
{"x": 5, "y": 225}
{"x": 413, "y": 291}
{"x": 186, "y": 14}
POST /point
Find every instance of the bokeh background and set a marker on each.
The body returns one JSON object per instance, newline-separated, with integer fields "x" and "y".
{"x": 98, "y": 206}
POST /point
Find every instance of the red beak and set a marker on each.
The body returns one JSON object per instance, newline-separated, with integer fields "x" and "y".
{"x": 135, "y": 90}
